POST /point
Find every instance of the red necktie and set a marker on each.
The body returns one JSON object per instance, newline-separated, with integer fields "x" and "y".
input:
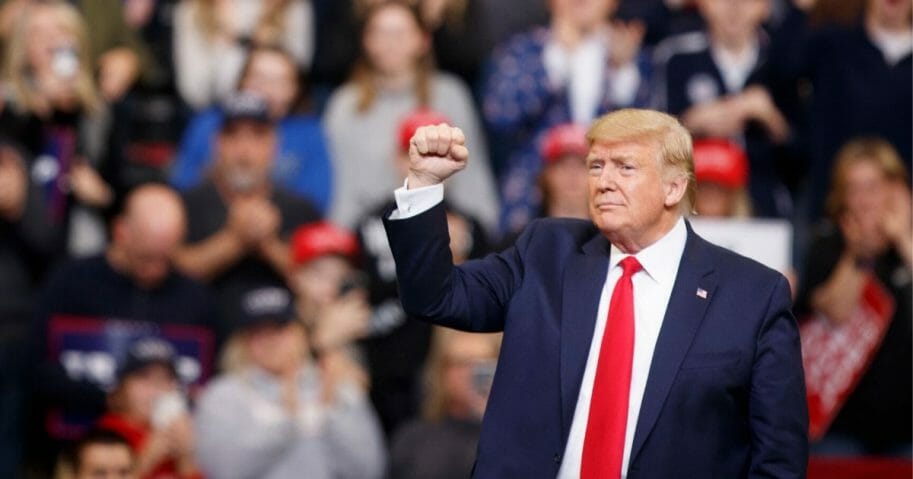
{"x": 604, "y": 443}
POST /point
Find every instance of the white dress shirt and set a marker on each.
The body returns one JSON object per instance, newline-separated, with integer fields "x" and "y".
{"x": 735, "y": 68}
{"x": 652, "y": 289}
{"x": 583, "y": 70}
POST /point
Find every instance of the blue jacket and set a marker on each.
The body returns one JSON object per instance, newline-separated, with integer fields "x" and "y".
{"x": 302, "y": 164}
{"x": 725, "y": 396}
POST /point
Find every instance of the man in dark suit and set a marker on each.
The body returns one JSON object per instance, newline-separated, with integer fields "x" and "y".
{"x": 632, "y": 347}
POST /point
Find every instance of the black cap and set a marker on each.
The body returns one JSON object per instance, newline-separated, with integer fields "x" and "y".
{"x": 146, "y": 352}
{"x": 245, "y": 106}
{"x": 266, "y": 304}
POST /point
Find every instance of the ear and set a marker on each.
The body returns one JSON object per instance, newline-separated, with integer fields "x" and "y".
{"x": 675, "y": 189}
{"x": 119, "y": 229}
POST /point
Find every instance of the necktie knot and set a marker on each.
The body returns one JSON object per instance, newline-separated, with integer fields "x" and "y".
{"x": 629, "y": 266}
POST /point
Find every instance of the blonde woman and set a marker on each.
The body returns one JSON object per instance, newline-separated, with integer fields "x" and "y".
{"x": 394, "y": 77}
{"x": 458, "y": 376}
{"x": 212, "y": 39}
{"x": 52, "y": 107}
{"x": 869, "y": 237}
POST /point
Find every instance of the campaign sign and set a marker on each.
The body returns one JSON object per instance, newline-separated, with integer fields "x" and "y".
{"x": 835, "y": 357}
{"x": 768, "y": 242}
{"x": 92, "y": 348}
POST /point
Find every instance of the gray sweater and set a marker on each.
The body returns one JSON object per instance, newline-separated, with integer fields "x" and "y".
{"x": 364, "y": 146}
{"x": 243, "y": 432}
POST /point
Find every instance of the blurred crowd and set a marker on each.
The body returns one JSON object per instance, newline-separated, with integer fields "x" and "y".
{"x": 194, "y": 275}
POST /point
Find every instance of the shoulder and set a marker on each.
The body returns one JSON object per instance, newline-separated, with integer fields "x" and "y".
{"x": 449, "y": 83}
{"x": 410, "y": 434}
{"x": 292, "y": 205}
{"x": 189, "y": 287}
{"x": 301, "y": 129}
{"x": 524, "y": 43}
{"x": 562, "y": 233}
{"x": 220, "y": 391}
{"x": 208, "y": 119}
{"x": 681, "y": 46}
{"x": 342, "y": 100}
{"x": 205, "y": 192}
{"x": 734, "y": 267}
{"x": 300, "y": 121}
{"x": 79, "y": 269}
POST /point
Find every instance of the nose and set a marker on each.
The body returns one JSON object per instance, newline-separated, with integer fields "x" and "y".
{"x": 607, "y": 179}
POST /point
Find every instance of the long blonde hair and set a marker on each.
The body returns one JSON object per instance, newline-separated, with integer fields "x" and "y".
{"x": 875, "y": 150}
{"x": 17, "y": 72}
{"x": 437, "y": 400}
{"x": 363, "y": 72}
{"x": 272, "y": 19}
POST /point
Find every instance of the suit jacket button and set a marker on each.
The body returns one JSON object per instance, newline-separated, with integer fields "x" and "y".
{"x": 557, "y": 458}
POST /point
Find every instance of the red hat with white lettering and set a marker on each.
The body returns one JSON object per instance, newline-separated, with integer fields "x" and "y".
{"x": 416, "y": 120}
{"x": 563, "y": 140}
{"x": 320, "y": 239}
{"x": 720, "y": 161}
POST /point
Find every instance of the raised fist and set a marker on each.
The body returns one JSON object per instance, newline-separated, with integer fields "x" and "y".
{"x": 435, "y": 153}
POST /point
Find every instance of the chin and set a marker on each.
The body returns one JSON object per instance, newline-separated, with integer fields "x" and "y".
{"x": 605, "y": 222}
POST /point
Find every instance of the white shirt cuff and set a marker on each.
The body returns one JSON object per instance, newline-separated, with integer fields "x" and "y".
{"x": 416, "y": 201}
{"x": 623, "y": 84}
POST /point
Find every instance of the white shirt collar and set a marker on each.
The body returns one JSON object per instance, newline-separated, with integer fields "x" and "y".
{"x": 660, "y": 260}
{"x": 735, "y": 69}
{"x": 895, "y": 46}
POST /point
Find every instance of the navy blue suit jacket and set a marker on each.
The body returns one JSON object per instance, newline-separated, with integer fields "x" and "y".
{"x": 725, "y": 396}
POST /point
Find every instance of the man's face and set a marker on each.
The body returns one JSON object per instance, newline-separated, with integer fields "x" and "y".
{"x": 272, "y": 77}
{"x": 627, "y": 193}
{"x": 318, "y": 281}
{"x": 245, "y": 150}
{"x": 105, "y": 461}
{"x": 891, "y": 11}
{"x": 734, "y": 18}
{"x": 149, "y": 256}
{"x": 276, "y": 348}
{"x": 714, "y": 200}
{"x": 141, "y": 389}
{"x": 585, "y": 14}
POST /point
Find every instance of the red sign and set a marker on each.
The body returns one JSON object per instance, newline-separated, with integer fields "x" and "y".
{"x": 836, "y": 357}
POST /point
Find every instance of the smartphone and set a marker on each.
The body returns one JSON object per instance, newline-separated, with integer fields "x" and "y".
{"x": 65, "y": 62}
{"x": 167, "y": 408}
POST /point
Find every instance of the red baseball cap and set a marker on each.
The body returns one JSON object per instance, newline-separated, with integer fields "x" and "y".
{"x": 415, "y": 120}
{"x": 562, "y": 140}
{"x": 322, "y": 238}
{"x": 720, "y": 161}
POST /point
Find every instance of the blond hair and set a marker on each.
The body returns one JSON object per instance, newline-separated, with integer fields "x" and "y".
{"x": 268, "y": 31}
{"x": 17, "y": 72}
{"x": 652, "y": 126}
{"x": 875, "y": 150}
{"x": 363, "y": 73}
{"x": 437, "y": 400}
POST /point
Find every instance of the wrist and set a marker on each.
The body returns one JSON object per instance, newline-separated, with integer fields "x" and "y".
{"x": 420, "y": 180}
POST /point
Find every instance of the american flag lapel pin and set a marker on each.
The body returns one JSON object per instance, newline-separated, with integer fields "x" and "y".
{"x": 701, "y": 293}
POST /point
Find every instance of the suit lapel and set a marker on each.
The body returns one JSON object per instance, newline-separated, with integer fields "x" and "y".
{"x": 583, "y": 280}
{"x": 684, "y": 315}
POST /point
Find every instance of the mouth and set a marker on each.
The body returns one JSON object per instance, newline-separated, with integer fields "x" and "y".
{"x": 607, "y": 205}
